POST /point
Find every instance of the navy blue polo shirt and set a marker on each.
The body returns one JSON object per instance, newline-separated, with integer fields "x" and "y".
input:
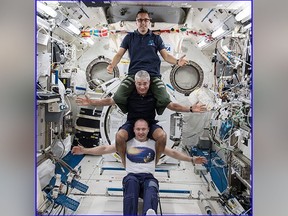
{"x": 141, "y": 107}
{"x": 143, "y": 52}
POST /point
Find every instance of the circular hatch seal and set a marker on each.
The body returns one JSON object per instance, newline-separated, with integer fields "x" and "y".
{"x": 96, "y": 72}
{"x": 187, "y": 78}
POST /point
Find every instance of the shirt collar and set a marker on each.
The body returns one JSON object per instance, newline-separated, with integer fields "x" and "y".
{"x": 149, "y": 92}
{"x": 149, "y": 32}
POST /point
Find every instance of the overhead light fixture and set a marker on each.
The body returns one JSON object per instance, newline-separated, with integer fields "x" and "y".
{"x": 72, "y": 28}
{"x": 90, "y": 41}
{"x": 44, "y": 8}
{"x": 218, "y": 32}
{"x": 243, "y": 14}
{"x": 43, "y": 23}
{"x": 202, "y": 43}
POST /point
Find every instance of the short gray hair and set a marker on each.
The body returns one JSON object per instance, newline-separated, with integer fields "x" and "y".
{"x": 142, "y": 74}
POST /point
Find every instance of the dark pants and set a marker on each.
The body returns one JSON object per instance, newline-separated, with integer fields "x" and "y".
{"x": 141, "y": 185}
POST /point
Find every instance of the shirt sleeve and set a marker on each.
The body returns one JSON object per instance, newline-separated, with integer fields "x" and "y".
{"x": 125, "y": 42}
{"x": 160, "y": 43}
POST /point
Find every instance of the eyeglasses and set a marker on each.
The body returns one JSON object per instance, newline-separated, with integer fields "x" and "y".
{"x": 141, "y": 20}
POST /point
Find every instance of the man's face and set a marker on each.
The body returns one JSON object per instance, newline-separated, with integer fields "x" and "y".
{"x": 142, "y": 86}
{"x": 141, "y": 130}
{"x": 142, "y": 22}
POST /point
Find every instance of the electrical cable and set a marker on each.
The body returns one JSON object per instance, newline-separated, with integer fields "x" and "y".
{"x": 62, "y": 207}
{"x": 213, "y": 161}
{"x": 52, "y": 207}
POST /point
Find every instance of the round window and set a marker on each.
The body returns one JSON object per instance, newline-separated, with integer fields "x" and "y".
{"x": 187, "y": 78}
{"x": 96, "y": 72}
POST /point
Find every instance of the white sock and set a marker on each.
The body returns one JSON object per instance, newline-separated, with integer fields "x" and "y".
{"x": 150, "y": 212}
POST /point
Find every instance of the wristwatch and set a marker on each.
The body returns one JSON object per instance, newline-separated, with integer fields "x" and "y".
{"x": 177, "y": 61}
{"x": 191, "y": 109}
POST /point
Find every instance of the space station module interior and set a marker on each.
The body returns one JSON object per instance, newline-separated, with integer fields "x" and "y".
{"x": 75, "y": 42}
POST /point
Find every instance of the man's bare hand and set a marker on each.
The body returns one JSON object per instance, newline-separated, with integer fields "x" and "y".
{"x": 199, "y": 160}
{"x": 77, "y": 150}
{"x": 182, "y": 61}
{"x": 198, "y": 107}
{"x": 82, "y": 101}
{"x": 110, "y": 69}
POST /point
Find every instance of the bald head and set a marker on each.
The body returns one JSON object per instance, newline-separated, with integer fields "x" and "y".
{"x": 141, "y": 130}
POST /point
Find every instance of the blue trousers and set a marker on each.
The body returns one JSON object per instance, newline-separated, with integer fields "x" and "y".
{"x": 141, "y": 185}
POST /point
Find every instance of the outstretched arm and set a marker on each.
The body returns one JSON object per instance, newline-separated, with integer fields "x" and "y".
{"x": 116, "y": 60}
{"x": 98, "y": 150}
{"x": 181, "y": 156}
{"x": 180, "y": 108}
{"x": 107, "y": 149}
{"x": 94, "y": 102}
{"x": 176, "y": 154}
{"x": 172, "y": 60}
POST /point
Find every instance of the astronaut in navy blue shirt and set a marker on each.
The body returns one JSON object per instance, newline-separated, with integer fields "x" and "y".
{"x": 143, "y": 47}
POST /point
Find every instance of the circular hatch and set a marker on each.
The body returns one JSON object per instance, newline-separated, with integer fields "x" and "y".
{"x": 187, "y": 78}
{"x": 96, "y": 72}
